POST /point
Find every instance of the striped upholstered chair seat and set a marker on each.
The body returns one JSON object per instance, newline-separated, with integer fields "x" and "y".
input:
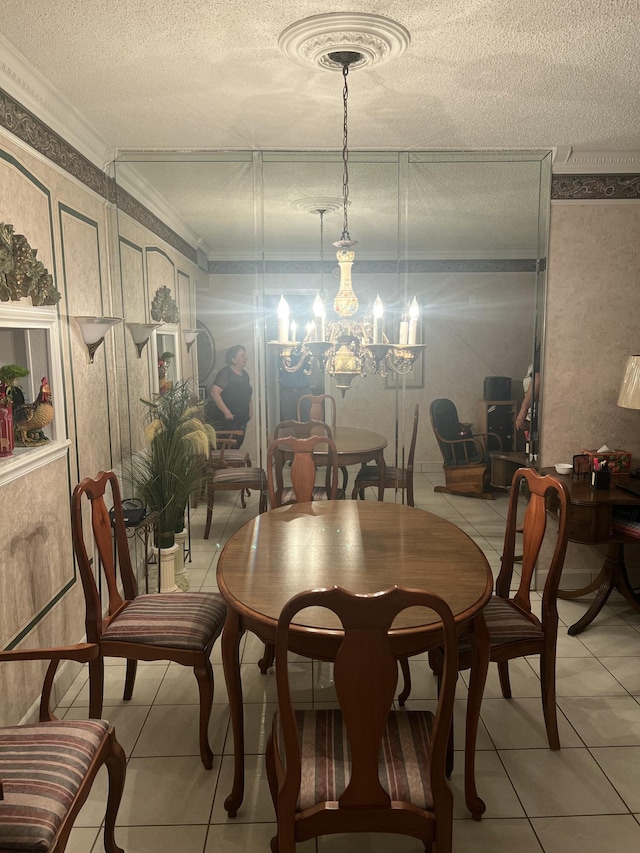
{"x": 403, "y": 765}
{"x": 506, "y": 624}
{"x": 235, "y": 479}
{"x": 253, "y": 478}
{"x": 42, "y": 767}
{"x": 237, "y": 458}
{"x": 171, "y": 620}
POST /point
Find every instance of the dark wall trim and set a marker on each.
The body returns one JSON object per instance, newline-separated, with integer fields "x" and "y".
{"x": 594, "y": 187}
{"x": 27, "y": 127}
{"x": 371, "y": 267}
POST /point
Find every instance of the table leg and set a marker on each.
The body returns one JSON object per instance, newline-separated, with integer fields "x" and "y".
{"x": 382, "y": 474}
{"x": 580, "y": 593}
{"x": 480, "y": 649}
{"x": 613, "y": 576}
{"x": 231, "y": 636}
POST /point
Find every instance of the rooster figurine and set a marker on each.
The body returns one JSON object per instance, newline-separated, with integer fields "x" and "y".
{"x": 31, "y": 418}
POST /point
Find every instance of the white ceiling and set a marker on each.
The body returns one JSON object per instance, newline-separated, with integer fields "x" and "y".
{"x": 209, "y": 73}
{"x": 478, "y": 74}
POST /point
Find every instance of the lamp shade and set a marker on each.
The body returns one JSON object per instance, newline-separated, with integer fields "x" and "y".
{"x": 629, "y": 397}
{"x": 93, "y": 330}
{"x": 190, "y": 337}
{"x": 141, "y": 332}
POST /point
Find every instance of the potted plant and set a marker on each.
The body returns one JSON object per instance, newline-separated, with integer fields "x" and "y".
{"x": 10, "y": 395}
{"x": 170, "y": 468}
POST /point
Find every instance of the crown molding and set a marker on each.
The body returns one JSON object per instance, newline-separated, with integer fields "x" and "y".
{"x": 27, "y": 86}
{"x": 574, "y": 161}
{"x": 129, "y": 179}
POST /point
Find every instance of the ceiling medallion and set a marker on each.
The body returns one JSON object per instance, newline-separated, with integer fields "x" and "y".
{"x": 375, "y": 38}
{"x": 328, "y": 204}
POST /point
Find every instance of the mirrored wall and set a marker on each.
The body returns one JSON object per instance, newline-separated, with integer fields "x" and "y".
{"x": 463, "y": 233}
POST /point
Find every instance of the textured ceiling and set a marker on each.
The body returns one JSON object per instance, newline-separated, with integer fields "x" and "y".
{"x": 208, "y": 74}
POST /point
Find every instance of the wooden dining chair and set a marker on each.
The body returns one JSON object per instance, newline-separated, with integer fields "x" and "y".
{"x": 398, "y": 478}
{"x": 179, "y": 627}
{"x": 233, "y": 478}
{"x": 47, "y": 768}
{"x": 303, "y": 472}
{"x": 363, "y": 767}
{"x": 234, "y": 457}
{"x": 515, "y": 631}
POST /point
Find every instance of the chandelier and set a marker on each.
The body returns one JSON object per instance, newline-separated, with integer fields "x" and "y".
{"x": 347, "y": 346}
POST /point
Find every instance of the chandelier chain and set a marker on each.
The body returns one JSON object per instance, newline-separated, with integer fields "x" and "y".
{"x": 323, "y": 294}
{"x": 345, "y": 153}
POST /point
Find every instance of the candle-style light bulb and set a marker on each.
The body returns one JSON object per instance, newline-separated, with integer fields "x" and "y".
{"x": 414, "y": 314}
{"x": 404, "y": 328}
{"x": 293, "y": 330}
{"x": 378, "y": 312}
{"x": 283, "y": 321}
{"x": 320, "y": 314}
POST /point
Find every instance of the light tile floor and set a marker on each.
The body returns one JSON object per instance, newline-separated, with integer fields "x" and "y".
{"x": 583, "y": 799}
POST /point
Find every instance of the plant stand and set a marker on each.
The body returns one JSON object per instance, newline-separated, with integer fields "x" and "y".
{"x": 167, "y": 567}
{"x": 183, "y": 581}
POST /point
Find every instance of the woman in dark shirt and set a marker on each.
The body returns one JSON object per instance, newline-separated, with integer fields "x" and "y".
{"x": 232, "y": 392}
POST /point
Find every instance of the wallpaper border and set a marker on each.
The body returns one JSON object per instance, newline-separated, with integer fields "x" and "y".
{"x": 26, "y": 126}
{"x": 31, "y": 130}
{"x": 595, "y": 187}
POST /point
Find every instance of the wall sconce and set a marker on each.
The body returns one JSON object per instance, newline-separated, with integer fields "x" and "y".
{"x": 93, "y": 331}
{"x": 141, "y": 332}
{"x": 190, "y": 336}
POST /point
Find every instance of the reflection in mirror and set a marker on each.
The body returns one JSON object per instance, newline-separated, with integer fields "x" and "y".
{"x": 463, "y": 233}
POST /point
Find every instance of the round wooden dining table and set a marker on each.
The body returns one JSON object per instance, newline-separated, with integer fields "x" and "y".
{"x": 358, "y": 446}
{"x": 363, "y": 547}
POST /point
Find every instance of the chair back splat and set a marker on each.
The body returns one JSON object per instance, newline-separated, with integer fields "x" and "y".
{"x": 303, "y": 470}
{"x": 103, "y": 533}
{"x": 317, "y": 408}
{"x": 381, "y": 770}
